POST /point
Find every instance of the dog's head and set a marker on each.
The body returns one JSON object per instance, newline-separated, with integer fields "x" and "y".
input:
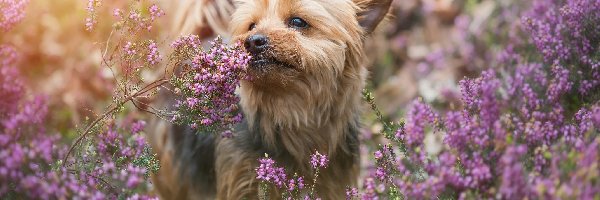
{"x": 306, "y": 66}
{"x": 304, "y": 44}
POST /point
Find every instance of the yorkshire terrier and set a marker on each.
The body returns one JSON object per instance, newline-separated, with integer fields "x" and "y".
{"x": 304, "y": 96}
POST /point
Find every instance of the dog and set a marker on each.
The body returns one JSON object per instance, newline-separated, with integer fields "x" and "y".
{"x": 304, "y": 96}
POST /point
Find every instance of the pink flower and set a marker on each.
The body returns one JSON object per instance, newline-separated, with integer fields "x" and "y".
{"x": 153, "y": 56}
{"x": 11, "y": 13}
{"x": 317, "y": 160}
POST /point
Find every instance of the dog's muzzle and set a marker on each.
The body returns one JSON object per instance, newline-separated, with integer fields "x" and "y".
{"x": 256, "y": 44}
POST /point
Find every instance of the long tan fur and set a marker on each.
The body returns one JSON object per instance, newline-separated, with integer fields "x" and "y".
{"x": 205, "y": 17}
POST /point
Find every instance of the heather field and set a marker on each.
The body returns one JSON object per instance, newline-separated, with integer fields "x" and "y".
{"x": 465, "y": 99}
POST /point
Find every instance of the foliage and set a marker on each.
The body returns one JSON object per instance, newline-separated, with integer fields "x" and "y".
{"x": 523, "y": 130}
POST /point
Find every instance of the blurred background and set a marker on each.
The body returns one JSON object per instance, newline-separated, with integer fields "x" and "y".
{"x": 422, "y": 52}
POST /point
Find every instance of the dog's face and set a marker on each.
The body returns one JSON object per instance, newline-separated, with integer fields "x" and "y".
{"x": 300, "y": 44}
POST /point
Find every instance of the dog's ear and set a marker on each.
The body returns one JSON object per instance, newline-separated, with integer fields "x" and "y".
{"x": 372, "y": 12}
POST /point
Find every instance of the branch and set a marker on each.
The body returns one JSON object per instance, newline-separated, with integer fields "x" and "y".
{"x": 88, "y": 129}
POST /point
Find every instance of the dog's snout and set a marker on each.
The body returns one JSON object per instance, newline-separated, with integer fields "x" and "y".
{"x": 256, "y": 43}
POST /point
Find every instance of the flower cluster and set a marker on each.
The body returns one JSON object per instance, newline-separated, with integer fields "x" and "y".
{"x": 318, "y": 160}
{"x": 419, "y": 116}
{"x": 207, "y": 85}
{"x": 108, "y": 166}
{"x": 566, "y": 34}
{"x": 294, "y": 187}
{"x": 11, "y": 13}
{"x": 11, "y": 87}
{"x": 138, "y": 55}
{"x": 153, "y": 56}
{"x": 136, "y": 52}
{"x": 267, "y": 171}
{"x": 31, "y": 165}
{"x": 114, "y": 164}
{"x": 351, "y": 193}
{"x": 137, "y": 19}
{"x": 92, "y": 19}
{"x": 477, "y": 158}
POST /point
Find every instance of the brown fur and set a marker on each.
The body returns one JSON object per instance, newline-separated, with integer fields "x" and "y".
{"x": 203, "y": 17}
{"x": 307, "y": 101}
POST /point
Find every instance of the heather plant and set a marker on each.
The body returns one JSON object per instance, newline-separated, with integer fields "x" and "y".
{"x": 110, "y": 159}
{"x": 566, "y": 35}
{"x": 30, "y": 161}
{"x": 112, "y": 164}
{"x": 11, "y": 88}
{"x": 207, "y": 85}
{"x": 517, "y": 125}
{"x": 272, "y": 176}
{"x": 128, "y": 51}
{"x": 205, "y": 81}
{"x": 486, "y": 155}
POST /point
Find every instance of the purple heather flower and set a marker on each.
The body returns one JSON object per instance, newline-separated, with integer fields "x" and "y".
{"x": 190, "y": 41}
{"x": 269, "y": 172}
{"x": 381, "y": 174}
{"x": 117, "y": 12}
{"x": 155, "y": 12}
{"x": 351, "y": 193}
{"x": 11, "y": 86}
{"x": 138, "y": 126}
{"x": 370, "y": 190}
{"x": 227, "y": 134}
{"x": 209, "y": 86}
{"x": 294, "y": 184}
{"x": 318, "y": 160}
{"x": 153, "y": 56}
{"x": 560, "y": 84}
{"x": 300, "y": 183}
{"x": 419, "y": 116}
{"x": 91, "y": 20}
{"x": 514, "y": 184}
{"x": 378, "y": 155}
{"x": 128, "y": 48}
{"x": 11, "y": 13}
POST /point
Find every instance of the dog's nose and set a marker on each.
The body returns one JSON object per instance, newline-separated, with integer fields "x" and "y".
{"x": 256, "y": 43}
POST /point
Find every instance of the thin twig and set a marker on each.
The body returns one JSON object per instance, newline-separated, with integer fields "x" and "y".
{"x": 115, "y": 107}
{"x": 111, "y": 187}
{"x": 312, "y": 189}
{"x": 136, "y": 102}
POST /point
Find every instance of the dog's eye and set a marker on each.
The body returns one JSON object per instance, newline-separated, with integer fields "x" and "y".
{"x": 297, "y": 23}
{"x": 252, "y": 26}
